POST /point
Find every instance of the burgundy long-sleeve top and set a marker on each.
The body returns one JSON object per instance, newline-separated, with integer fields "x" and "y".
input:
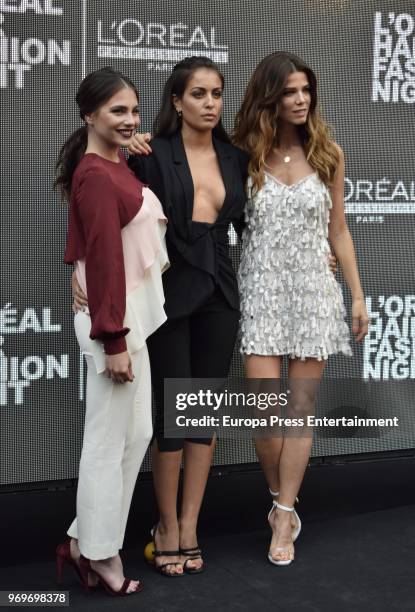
{"x": 105, "y": 197}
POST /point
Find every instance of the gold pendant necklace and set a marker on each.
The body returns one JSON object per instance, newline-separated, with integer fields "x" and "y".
{"x": 287, "y": 159}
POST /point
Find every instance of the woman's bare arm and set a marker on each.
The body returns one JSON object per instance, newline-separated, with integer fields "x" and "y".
{"x": 342, "y": 243}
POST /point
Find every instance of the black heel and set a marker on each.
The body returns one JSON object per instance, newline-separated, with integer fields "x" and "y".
{"x": 164, "y": 553}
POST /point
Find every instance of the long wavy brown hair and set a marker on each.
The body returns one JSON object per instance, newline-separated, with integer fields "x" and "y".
{"x": 256, "y": 124}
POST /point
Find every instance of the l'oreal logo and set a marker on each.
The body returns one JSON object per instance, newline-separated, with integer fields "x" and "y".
{"x": 132, "y": 39}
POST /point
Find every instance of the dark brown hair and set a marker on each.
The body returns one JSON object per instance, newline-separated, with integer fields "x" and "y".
{"x": 95, "y": 89}
{"x": 167, "y": 121}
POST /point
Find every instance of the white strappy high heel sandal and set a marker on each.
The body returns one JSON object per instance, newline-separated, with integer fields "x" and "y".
{"x": 280, "y": 549}
{"x": 295, "y": 529}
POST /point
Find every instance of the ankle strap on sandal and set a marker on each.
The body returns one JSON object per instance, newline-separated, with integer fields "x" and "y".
{"x": 286, "y": 508}
{"x": 276, "y": 494}
{"x": 166, "y": 553}
{"x": 190, "y": 551}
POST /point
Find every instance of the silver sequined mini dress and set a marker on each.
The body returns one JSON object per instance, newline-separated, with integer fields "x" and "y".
{"x": 291, "y": 303}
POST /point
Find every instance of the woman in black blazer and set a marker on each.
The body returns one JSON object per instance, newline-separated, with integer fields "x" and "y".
{"x": 198, "y": 176}
{"x": 198, "y": 250}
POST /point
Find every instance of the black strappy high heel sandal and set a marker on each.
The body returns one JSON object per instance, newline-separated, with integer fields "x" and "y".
{"x": 164, "y": 553}
{"x": 192, "y": 554}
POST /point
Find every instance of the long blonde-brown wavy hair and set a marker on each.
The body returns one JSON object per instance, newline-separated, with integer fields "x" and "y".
{"x": 256, "y": 124}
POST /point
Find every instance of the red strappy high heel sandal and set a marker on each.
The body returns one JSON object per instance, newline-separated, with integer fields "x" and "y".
{"x": 85, "y": 567}
{"x": 63, "y": 555}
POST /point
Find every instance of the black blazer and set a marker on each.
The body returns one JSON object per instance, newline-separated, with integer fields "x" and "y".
{"x": 198, "y": 252}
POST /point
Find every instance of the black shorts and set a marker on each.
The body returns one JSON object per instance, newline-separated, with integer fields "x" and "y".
{"x": 196, "y": 346}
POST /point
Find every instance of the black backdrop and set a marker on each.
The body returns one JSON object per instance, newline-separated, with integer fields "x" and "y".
{"x": 364, "y": 54}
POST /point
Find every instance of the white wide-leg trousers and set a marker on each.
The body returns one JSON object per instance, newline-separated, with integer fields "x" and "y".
{"x": 118, "y": 429}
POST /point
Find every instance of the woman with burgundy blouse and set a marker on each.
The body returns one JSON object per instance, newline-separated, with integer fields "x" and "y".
{"x": 116, "y": 243}
{"x": 198, "y": 177}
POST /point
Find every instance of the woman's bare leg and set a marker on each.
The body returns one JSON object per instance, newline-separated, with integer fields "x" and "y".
{"x": 269, "y": 449}
{"x": 197, "y": 462}
{"x": 304, "y": 381}
{"x": 166, "y": 472}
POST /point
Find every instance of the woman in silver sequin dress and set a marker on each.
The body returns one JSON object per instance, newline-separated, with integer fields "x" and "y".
{"x": 291, "y": 304}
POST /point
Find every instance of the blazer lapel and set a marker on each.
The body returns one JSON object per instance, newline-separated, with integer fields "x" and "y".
{"x": 182, "y": 169}
{"x": 228, "y": 173}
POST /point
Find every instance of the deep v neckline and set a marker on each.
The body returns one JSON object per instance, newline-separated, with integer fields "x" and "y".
{"x": 193, "y": 187}
{"x": 183, "y": 169}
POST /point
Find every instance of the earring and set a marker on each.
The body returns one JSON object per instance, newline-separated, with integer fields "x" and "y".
{"x": 179, "y": 113}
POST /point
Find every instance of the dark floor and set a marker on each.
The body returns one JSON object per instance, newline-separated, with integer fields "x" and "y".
{"x": 356, "y": 551}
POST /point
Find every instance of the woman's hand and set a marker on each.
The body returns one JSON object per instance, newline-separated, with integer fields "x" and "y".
{"x": 118, "y": 367}
{"x": 138, "y": 144}
{"x": 332, "y": 262}
{"x": 79, "y": 298}
{"x": 360, "y": 319}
